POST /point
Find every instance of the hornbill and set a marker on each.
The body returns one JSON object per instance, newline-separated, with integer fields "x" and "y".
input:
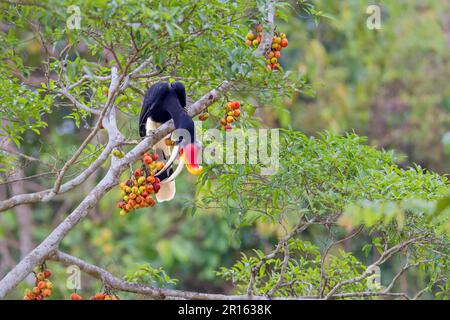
{"x": 164, "y": 101}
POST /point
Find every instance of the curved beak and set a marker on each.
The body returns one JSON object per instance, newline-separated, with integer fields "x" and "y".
{"x": 189, "y": 155}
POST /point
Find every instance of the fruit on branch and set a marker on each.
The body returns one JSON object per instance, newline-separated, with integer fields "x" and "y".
{"x": 47, "y": 274}
{"x": 118, "y": 154}
{"x": 279, "y": 41}
{"x": 254, "y": 37}
{"x": 75, "y": 296}
{"x": 43, "y": 286}
{"x": 232, "y": 112}
{"x": 137, "y": 191}
{"x": 106, "y": 295}
{"x": 204, "y": 116}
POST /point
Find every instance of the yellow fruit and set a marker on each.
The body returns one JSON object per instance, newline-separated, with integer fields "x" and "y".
{"x": 250, "y": 36}
{"x": 248, "y": 42}
{"x": 255, "y": 42}
{"x": 274, "y": 60}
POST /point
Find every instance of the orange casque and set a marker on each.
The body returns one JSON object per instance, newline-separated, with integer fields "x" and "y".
{"x": 189, "y": 155}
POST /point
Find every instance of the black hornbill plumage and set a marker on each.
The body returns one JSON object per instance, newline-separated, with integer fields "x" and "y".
{"x": 164, "y": 101}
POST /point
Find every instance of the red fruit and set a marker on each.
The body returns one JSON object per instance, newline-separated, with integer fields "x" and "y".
{"x": 47, "y": 292}
{"x": 75, "y": 296}
{"x": 284, "y": 43}
{"x": 144, "y": 194}
{"x": 137, "y": 173}
{"x": 150, "y": 188}
{"x": 237, "y": 113}
{"x": 149, "y": 200}
{"x": 99, "y": 296}
{"x": 151, "y": 179}
{"x": 157, "y": 180}
{"x": 47, "y": 274}
{"x": 127, "y": 207}
{"x": 277, "y": 54}
{"x": 36, "y": 290}
{"x": 227, "y": 127}
{"x": 156, "y": 186}
{"x": 154, "y": 156}
{"x": 42, "y": 285}
{"x": 139, "y": 199}
{"x": 236, "y": 105}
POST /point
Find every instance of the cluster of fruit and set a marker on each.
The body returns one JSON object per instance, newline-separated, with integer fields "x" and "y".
{"x": 137, "y": 192}
{"x": 233, "y": 112}
{"x": 254, "y": 40}
{"x": 279, "y": 41}
{"x": 43, "y": 286}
